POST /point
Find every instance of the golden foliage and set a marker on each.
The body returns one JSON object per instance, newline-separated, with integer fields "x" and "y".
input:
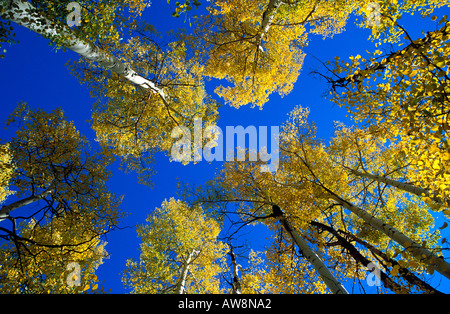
{"x": 404, "y": 96}
{"x": 258, "y": 57}
{"x": 71, "y": 211}
{"x": 6, "y": 172}
{"x": 174, "y": 235}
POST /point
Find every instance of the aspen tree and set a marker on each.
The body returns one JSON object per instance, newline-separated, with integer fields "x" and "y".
{"x": 257, "y": 46}
{"x": 61, "y": 208}
{"x": 180, "y": 252}
{"x": 403, "y": 96}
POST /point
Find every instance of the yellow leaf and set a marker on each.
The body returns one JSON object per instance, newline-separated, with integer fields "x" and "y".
{"x": 394, "y": 270}
{"x": 427, "y": 200}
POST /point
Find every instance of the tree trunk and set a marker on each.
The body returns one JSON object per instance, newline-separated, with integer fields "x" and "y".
{"x": 182, "y": 281}
{"x": 358, "y": 257}
{"x": 5, "y": 210}
{"x": 402, "y": 186}
{"x": 421, "y": 253}
{"x": 24, "y": 14}
{"x": 332, "y": 283}
{"x": 404, "y": 272}
{"x": 236, "y": 282}
{"x": 268, "y": 16}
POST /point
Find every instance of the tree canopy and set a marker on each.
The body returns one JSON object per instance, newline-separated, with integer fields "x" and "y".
{"x": 60, "y": 209}
{"x": 356, "y": 209}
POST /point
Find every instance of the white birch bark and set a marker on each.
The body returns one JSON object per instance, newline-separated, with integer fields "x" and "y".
{"x": 419, "y": 191}
{"x": 331, "y": 282}
{"x": 24, "y": 14}
{"x": 423, "y": 254}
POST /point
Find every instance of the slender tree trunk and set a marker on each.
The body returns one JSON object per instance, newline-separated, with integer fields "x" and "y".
{"x": 404, "y": 272}
{"x": 268, "y": 16}
{"x": 421, "y": 253}
{"x": 358, "y": 257}
{"x": 24, "y": 14}
{"x": 331, "y": 282}
{"x": 182, "y": 281}
{"x": 401, "y": 185}
{"x": 236, "y": 289}
{"x": 5, "y": 210}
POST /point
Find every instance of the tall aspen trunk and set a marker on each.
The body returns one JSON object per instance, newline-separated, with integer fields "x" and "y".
{"x": 182, "y": 281}
{"x": 24, "y": 14}
{"x": 358, "y": 257}
{"x": 421, "y": 253}
{"x": 403, "y": 271}
{"x": 236, "y": 289}
{"x": 328, "y": 278}
{"x": 268, "y": 16}
{"x": 400, "y": 185}
{"x": 5, "y": 210}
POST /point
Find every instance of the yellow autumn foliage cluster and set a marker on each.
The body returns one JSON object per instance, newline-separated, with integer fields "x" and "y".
{"x": 102, "y": 22}
{"x": 404, "y": 96}
{"x": 176, "y": 237}
{"x": 51, "y": 166}
{"x": 43, "y": 267}
{"x": 257, "y": 49}
{"x": 6, "y": 170}
{"x": 310, "y": 177}
{"x": 373, "y": 185}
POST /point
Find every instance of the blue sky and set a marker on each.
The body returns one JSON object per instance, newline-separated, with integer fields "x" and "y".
{"x": 34, "y": 72}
